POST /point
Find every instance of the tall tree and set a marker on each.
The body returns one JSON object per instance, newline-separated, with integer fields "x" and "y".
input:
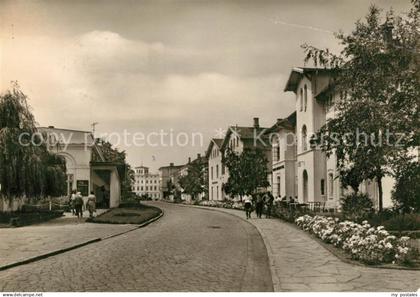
{"x": 26, "y": 166}
{"x": 247, "y": 171}
{"x": 195, "y": 181}
{"x": 377, "y": 74}
{"x": 112, "y": 154}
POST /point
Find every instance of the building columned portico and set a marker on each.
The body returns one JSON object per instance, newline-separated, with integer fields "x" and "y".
{"x": 83, "y": 174}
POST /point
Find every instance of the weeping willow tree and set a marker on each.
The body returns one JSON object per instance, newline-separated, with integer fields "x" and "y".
{"x": 26, "y": 166}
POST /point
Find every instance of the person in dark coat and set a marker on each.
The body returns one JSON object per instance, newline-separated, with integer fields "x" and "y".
{"x": 269, "y": 203}
{"x": 259, "y": 205}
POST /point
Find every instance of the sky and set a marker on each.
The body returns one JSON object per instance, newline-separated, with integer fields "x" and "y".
{"x": 164, "y": 70}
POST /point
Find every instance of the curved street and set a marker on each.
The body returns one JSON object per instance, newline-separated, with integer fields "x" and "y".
{"x": 188, "y": 249}
{"x": 191, "y": 249}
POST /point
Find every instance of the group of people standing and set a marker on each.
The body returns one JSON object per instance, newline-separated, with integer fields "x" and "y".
{"x": 258, "y": 201}
{"x": 76, "y": 204}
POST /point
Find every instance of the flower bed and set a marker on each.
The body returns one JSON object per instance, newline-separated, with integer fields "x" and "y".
{"x": 223, "y": 204}
{"x": 364, "y": 243}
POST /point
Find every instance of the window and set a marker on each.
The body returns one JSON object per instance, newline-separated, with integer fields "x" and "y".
{"x": 301, "y": 99}
{"x": 141, "y": 188}
{"x": 147, "y": 188}
{"x": 217, "y": 171}
{"x": 211, "y": 172}
{"x": 217, "y": 190}
{"x": 305, "y": 97}
{"x": 223, "y": 169}
{"x": 331, "y": 184}
{"x": 304, "y": 138}
{"x": 278, "y": 152}
{"x": 278, "y": 186}
{"x": 305, "y": 186}
{"x": 322, "y": 187}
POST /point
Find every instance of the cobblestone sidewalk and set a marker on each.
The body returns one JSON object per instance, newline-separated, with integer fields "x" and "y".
{"x": 19, "y": 244}
{"x": 299, "y": 263}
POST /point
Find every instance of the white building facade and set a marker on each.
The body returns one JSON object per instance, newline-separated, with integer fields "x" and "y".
{"x": 216, "y": 169}
{"x": 282, "y": 136}
{"x": 317, "y": 178}
{"x": 146, "y": 183}
{"x": 85, "y": 174}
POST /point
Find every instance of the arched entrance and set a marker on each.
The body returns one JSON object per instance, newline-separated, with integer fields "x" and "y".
{"x": 305, "y": 186}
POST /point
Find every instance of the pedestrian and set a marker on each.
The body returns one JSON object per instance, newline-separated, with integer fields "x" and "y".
{"x": 72, "y": 202}
{"x": 248, "y": 206}
{"x": 78, "y": 204}
{"x": 269, "y": 202}
{"x": 91, "y": 204}
{"x": 259, "y": 205}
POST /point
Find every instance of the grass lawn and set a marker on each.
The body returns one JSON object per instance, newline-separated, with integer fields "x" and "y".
{"x": 127, "y": 214}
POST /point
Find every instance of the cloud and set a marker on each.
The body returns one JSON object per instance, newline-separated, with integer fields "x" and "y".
{"x": 100, "y": 76}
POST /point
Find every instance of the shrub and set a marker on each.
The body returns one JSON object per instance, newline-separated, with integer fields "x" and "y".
{"x": 406, "y": 193}
{"x": 393, "y": 221}
{"x": 363, "y": 242}
{"x": 356, "y": 206}
{"x": 403, "y": 222}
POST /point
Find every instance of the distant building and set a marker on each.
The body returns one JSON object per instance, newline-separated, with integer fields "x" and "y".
{"x": 146, "y": 183}
{"x": 166, "y": 178}
{"x": 183, "y": 170}
{"x": 236, "y": 138}
{"x": 86, "y": 167}
{"x": 216, "y": 169}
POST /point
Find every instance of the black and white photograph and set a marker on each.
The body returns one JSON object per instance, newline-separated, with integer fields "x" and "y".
{"x": 209, "y": 146}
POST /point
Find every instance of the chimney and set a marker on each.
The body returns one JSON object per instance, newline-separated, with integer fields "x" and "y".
{"x": 256, "y": 122}
{"x": 279, "y": 120}
{"x": 51, "y": 127}
{"x": 171, "y": 164}
{"x": 198, "y": 156}
{"x": 189, "y": 160}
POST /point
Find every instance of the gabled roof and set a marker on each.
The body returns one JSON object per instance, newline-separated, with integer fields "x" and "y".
{"x": 298, "y": 72}
{"x": 288, "y": 123}
{"x": 213, "y": 141}
{"x": 246, "y": 135}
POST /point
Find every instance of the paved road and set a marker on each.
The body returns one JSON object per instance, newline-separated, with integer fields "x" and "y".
{"x": 186, "y": 250}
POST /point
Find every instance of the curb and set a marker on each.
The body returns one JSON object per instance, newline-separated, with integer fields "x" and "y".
{"x": 73, "y": 247}
{"x": 49, "y": 254}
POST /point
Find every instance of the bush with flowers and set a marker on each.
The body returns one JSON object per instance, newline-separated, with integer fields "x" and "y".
{"x": 363, "y": 242}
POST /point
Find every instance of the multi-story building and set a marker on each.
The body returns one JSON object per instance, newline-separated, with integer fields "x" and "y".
{"x": 146, "y": 183}
{"x": 317, "y": 178}
{"x": 282, "y": 136}
{"x": 166, "y": 176}
{"x": 201, "y": 161}
{"x": 216, "y": 169}
{"x": 86, "y": 168}
{"x": 237, "y": 139}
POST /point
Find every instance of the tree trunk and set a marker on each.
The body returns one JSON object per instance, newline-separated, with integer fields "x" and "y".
{"x": 380, "y": 201}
